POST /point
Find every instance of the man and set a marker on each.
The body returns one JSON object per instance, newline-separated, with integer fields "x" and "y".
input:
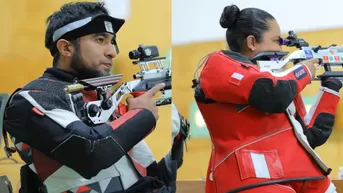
{"x": 64, "y": 154}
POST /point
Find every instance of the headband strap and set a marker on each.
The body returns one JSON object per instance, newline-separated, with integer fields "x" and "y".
{"x": 90, "y": 25}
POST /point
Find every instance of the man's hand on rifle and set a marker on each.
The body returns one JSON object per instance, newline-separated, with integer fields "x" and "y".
{"x": 146, "y": 101}
{"x": 332, "y": 83}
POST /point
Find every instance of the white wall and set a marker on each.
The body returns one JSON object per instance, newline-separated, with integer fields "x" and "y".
{"x": 118, "y": 8}
{"x": 198, "y": 20}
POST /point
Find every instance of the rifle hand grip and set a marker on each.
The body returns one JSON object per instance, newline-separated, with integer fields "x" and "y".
{"x": 122, "y": 109}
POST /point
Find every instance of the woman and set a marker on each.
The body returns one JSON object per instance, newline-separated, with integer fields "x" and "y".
{"x": 262, "y": 138}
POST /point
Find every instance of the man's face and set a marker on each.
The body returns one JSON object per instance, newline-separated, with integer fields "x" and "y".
{"x": 93, "y": 56}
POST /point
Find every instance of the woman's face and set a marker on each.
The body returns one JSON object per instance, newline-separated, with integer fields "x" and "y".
{"x": 270, "y": 40}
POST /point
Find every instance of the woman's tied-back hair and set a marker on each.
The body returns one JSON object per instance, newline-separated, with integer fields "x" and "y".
{"x": 68, "y": 13}
{"x": 241, "y": 24}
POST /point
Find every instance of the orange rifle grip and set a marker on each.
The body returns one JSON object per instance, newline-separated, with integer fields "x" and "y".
{"x": 136, "y": 94}
{"x": 122, "y": 109}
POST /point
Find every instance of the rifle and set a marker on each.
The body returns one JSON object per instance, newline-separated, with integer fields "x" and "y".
{"x": 330, "y": 57}
{"x": 100, "y": 110}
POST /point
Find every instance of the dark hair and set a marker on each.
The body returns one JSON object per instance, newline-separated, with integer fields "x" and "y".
{"x": 68, "y": 13}
{"x": 241, "y": 24}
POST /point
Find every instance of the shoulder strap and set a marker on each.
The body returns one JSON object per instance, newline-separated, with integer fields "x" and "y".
{"x": 8, "y": 150}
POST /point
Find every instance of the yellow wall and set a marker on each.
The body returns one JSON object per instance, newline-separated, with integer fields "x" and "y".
{"x": 24, "y": 58}
{"x": 141, "y": 29}
{"x": 185, "y": 60}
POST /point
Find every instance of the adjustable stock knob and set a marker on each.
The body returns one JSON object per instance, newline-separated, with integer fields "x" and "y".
{"x": 93, "y": 110}
{"x": 106, "y": 104}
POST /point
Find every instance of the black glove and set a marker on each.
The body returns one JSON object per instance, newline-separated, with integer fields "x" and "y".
{"x": 184, "y": 129}
{"x": 179, "y": 141}
{"x": 332, "y": 83}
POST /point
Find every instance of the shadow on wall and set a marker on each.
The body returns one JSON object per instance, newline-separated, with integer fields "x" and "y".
{"x": 185, "y": 60}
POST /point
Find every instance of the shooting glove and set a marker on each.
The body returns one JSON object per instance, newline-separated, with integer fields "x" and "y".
{"x": 332, "y": 83}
